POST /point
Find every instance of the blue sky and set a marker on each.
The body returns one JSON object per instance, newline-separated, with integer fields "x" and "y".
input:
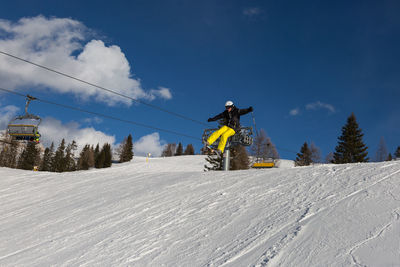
{"x": 304, "y": 66}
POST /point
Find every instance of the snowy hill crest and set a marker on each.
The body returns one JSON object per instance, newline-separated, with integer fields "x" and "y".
{"x": 168, "y": 212}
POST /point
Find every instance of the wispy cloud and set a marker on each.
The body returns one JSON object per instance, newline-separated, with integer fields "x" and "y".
{"x": 319, "y": 105}
{"x": 94, "y": 120}
{"x": 314, "y": 106}
{"x": 162, "y": 92}
{"x": 64, "y": 44}
{"x": 252, "y": 12}
{"x": 294, "y": 112}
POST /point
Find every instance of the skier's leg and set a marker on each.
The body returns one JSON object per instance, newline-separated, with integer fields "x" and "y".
{"x": 224, "y": 137}
{"x": 215, "y": 135}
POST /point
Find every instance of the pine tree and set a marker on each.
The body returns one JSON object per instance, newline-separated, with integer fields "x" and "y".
{"x": 99, "y": 161}
{"x": 96, "y": 152}
{"x": 51, "y": 155}
{"x": 382, "y": 152}
{"x": 169, "y": 150}
{"x": 304, "y": 157}
{"x": 69, "y": 159}
{"x": 29, "y": 157}
{"x": 240, "y": 158}
{"x": 390, "y": 157}
{"x": 350, "y": 148}
{"x": 3, "y": 155}
{"x": 397, "y": 153}
{"x": 12, "y": 156}
{"x": 126, "y": 149}
{"x": 86, "y": 158}
{"x": 46, "y": 162}
{"x": 179, "y": 150}
{"x": 10, "y": 153}
{"x": 59, "y": 164}
{"x": 189, "y": 150}
{"x": 107, "y": 156}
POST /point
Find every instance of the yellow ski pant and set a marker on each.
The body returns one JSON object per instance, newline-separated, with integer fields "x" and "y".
{"x": 225, "y": 132}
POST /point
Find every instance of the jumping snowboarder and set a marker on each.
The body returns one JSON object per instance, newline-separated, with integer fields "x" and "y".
{"x": 231, "y": 117}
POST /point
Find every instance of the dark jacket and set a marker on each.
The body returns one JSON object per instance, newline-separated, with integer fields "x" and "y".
{"x": 232, "y": 119}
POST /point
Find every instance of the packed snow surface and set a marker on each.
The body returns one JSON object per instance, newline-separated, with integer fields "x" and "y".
{"x": 168, "y": 212}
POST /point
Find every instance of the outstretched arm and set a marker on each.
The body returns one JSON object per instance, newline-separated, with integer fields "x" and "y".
{"x": 245, "y": 111}
{"x": 219, "y": 116}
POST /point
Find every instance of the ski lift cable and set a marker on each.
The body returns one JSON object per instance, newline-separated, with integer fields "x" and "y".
{"x": 254, "y": 121}
{"x": 103, "y": 88}
{"x": 118, "y": 119}
{"x": 105, "y": 116}
{"x": 119, "y": 94}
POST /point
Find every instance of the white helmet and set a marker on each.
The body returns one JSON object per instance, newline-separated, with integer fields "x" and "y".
{"x": 229, "y": 104}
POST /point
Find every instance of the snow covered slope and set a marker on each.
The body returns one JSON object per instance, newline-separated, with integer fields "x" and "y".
{"x": 168, "y": 212}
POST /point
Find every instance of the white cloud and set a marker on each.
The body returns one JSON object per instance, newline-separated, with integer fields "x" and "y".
{"x": 252, "y": 11}
{"x": 53, "y": 130}
{"x": 7, "y": 113}
{"x": 162, "y": 92}
{"x": 61, "y": 44}
{"x": 94, "y": 120}
{"x": 149, "y": 144}
{"x": 319, "y": 105}
{"x": 294, "y": 112}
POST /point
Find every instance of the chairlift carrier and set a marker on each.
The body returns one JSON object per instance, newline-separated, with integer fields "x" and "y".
{"x": 242, "y": 137}
{"x": 25, "y": 127}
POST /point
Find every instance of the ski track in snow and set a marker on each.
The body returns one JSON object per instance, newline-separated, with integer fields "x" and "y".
{"x": 168, "y": 212}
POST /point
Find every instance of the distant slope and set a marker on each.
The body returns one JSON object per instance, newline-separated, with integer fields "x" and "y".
{"x": 169, "y": 212}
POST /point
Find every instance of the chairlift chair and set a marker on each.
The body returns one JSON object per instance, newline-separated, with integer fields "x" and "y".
{"x": 25, "y": 127}
{"x": 242, "y": 137}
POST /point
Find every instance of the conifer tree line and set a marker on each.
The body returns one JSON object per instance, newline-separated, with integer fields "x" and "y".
{"x": 172, "y": 150}
{"x": 350, "y": 148}
{"x": 308, "y": 154}
{"x": 64, "y": 158}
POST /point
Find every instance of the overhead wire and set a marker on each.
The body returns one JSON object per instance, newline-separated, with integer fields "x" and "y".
{"x": 104, "y": 115}
{"x": 116, "y": 93}
{"x": 103, "y": 88}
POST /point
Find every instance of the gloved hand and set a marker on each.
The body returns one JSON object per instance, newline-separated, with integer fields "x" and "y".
{"x": 209, "y": 119}
{"x": 250, "y": 109}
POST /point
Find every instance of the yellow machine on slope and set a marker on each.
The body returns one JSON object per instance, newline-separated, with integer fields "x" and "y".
{"x": 264, "y": 163}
